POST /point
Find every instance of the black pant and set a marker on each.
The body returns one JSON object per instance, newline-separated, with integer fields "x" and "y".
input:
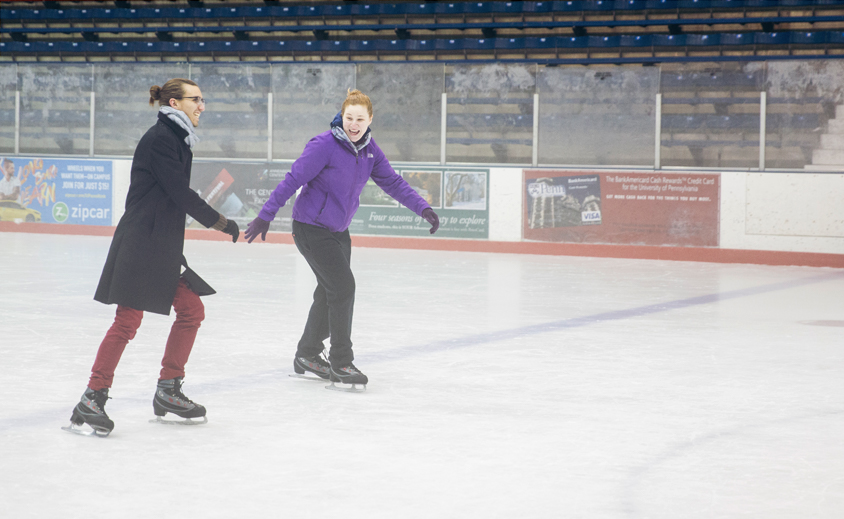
{"x": 329, "y": 255}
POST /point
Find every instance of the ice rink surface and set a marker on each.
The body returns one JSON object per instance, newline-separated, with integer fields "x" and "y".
{"x": 501, "y": 386}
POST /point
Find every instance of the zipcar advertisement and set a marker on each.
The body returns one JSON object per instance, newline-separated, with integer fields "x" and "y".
{"x": 65, "y": 191}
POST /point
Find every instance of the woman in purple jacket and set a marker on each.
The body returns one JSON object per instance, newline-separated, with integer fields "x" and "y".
{"x": 332, "y": 172}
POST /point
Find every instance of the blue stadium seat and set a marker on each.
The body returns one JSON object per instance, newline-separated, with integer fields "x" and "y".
{"x": 478, "y": 7}
{"x": 585, "y": 5}
{"x": 257, "y": 46}
{"x": 308, "y": 10}
{"x": 449, "y": 44}
{"x": 753, "y": 4}
{"x": 420, "y": 8}
{"x": 175, "y": 47}
{"x": 638, "y": 40}
{"x": 737, "y": 39}
{"x": 123, "y": 46}
{"x": 693, "y": 4}
{"x": 58, "y": 14}
{"x": 537, "y": 7}
{"x": 389, "y": 45}
{"x": 420, "y": 45}
{"x": 335, "y": 46}
{"x": 449, "y": 8}
{"x": 153, "y": 47}
{"x": 541, "y": 42}
{"x": 510, "y": 43}
{"x": 567, "y": 6}
{"x": 222, "y": 46}
{"x": 304, "y": 45}
{"x": 391, "y": 10}
{"x": 703, "y": 39}
{"x": 508, "y": 7}
{"x": 479, "y": 44}
{"x": 835, "y": 37}
{"x": 604, "y": 41}
{"x": 771, "y": 38}
{"x": 630, "y": 5}
{"x": 13, "y": 14}
{"x": 216, "y": 12}
{"x": 337, "y": 10}
{"x": 796, "y": 120}
{"x": 278, "y": 11}
{"x": 361, "y": 46}
{"x": 167, "y": 12}
{"x": 807, "y": 38}
{"x": 668, "y": 40}
{"x": 721, "y": 4}
{"x": 572, "y": 42}
{"x": 71, "y": 47}
{"x": 661, "y": 4}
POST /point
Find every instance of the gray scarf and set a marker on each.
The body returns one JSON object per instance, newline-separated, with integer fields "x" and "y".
{"x": 340, "y": 135}
{"x": 181, "y": 118}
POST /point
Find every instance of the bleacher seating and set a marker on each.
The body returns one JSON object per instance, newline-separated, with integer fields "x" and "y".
{"x": 700, "y": 110}
{"x": 396, "y": 29}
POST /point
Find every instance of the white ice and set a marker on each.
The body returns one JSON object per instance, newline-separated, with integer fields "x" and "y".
{"x": 502, "y": 386}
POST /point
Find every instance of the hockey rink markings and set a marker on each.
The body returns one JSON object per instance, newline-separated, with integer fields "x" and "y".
{"x": 577, "y": 322}
{"x": 636, "y": 476}
{"x": 51, "y": 416}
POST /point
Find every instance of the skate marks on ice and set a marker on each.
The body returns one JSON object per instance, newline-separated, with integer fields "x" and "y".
{"x": 270, "y": 376}
{"x": 756, "y": 441}
{"x": 586, "y": 320}
{"x": 839, "y": 324}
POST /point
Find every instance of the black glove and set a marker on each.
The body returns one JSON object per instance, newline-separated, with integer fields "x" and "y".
{"x": 256, "y": 227}
{"x": 232, "y": 229}
{"x": 432, "y": 218}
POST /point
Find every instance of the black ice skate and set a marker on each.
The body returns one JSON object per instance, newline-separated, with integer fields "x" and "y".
{"x": 347, "y": 374}
{"x": 317, "y": 365}
{"x": 170, "y": 399}
{"x": 91, "y": 410}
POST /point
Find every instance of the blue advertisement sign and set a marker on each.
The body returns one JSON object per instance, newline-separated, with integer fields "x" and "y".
{"x": 66, "y": 191}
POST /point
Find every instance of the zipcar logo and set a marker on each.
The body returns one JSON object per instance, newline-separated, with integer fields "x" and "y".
{"x": 60, "y": 212}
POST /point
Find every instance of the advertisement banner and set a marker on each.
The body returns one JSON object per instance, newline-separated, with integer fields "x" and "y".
{"x": 239, "y": 190}
{"x": 459, "y": 197}
{"x": 631, "y": 208}
{"x": 66, "y": 191}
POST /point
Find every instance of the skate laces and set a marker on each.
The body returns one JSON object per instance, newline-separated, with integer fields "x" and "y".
{"x": 318, "y": 359}
{"x": 321, "y": 360}
{"x": 100, "y": 398}
{"x": 177, "y": 392}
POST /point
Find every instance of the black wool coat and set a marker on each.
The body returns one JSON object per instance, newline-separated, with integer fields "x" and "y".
{"x": 143, "y": 265}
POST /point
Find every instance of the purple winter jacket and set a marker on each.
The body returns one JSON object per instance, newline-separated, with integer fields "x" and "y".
{"x": 332, "y": 175}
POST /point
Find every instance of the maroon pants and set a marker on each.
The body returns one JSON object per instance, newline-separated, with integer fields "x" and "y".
{"x": 189, "y": 315}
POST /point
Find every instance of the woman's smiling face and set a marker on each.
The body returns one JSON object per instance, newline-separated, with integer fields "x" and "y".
{"x": 356, "y": 120}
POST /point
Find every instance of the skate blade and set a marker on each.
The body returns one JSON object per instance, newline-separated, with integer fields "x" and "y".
{"x": 355, "y": 388}
{"x": 186, "y": 421}
{"x": 86, "y": 431}
{"x": 307, "y": 377}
